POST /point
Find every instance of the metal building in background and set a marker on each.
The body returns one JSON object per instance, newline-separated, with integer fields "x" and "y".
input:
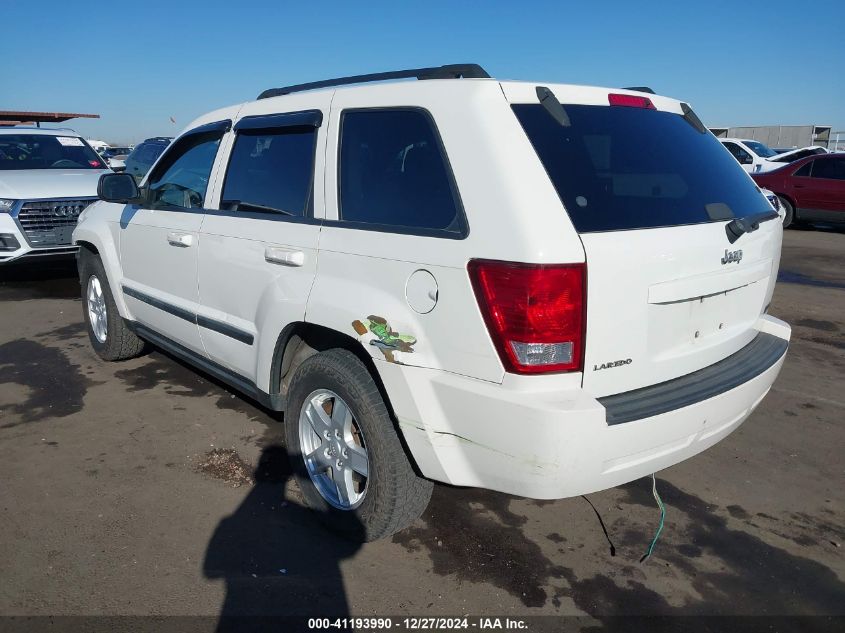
{"x": 780, "y": 136}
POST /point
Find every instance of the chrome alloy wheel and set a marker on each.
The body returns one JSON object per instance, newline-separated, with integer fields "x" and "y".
{"x": 333, "y": 447}
{"x": 97, "y": 314}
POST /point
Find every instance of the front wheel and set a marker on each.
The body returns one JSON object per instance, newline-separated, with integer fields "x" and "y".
{"x": 110, "y": 337}
{"x": 788, "y": 212}
{"x": 347, "y": 457}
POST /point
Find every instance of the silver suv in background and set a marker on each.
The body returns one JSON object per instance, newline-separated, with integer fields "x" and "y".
{"x": 47, "y": 178}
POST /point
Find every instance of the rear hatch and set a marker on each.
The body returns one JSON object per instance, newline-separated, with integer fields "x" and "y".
{"x": 650, "y": 192}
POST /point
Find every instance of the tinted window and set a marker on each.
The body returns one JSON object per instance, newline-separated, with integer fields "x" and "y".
{"x": 271, "y": 170}
{"x": 393, "y": 172}
{"x": 42, "y": 151}
{"x": 627, "y": 168}
{"x": 181, "y": 178}
{"x": 805, "y": 169}
{"x": 740, "y": 154}
{"x": 833, "y": 168}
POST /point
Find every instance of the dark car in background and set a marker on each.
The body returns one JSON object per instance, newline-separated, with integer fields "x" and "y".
{"x": 138, "y": 163}
{"x": 810, "y": 190}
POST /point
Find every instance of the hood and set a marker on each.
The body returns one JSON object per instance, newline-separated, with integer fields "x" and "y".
{"x": 34, "y": 184}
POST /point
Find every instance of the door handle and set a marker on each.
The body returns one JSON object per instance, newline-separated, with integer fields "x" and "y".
{"x": 284, "y": 256}
{"x": 180, "y": 239}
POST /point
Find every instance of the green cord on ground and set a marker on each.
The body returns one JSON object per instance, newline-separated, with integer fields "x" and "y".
{"x": 662, "y": 519}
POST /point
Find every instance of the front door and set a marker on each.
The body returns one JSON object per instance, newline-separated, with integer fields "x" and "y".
{"x": 159, "y": 239}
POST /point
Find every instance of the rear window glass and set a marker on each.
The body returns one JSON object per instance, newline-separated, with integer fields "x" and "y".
{"x": 393, "y": 172}
{"x": 618, "y": 168}
{"x": 271, "y": 171}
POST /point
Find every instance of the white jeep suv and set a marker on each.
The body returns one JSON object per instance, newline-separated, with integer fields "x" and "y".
{"x": 47, "y": 178}
{"x": 544, "y": 290}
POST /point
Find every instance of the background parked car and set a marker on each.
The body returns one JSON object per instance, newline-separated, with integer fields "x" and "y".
{"x": 116, "y": 157}
{"x": 811, "y": 189}
{"x": 99, "y": 146}
{"x": 47, "y": 178}
{"x": 141, "y": 158}
{"x": 755, "y": 157}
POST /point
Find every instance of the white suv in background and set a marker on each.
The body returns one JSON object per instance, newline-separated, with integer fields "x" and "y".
{"x": 544, "y": 290}
{"x": 756, "y": 157}
{"x": 47, "y": 178}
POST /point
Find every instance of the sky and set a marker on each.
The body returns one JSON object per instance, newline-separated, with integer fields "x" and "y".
{"x": 773, "y": 62}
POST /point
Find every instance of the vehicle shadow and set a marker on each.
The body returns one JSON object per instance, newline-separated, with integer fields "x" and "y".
{"x": 275, "y": 556}
{"x": 57, "y": 279}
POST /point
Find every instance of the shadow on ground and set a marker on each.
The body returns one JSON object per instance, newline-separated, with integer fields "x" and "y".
{"x": 274, "y": 555}
{"x": 39, "y": 280}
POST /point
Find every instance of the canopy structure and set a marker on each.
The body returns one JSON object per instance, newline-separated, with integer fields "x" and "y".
{"x": 22, "y": 117}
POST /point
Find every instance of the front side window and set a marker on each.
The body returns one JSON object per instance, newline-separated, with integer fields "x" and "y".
{"x": 271, "y": 171}
{"x": 181, "y": 178}
{"x": 740, "y": 154}
{"x": 43, "y": 151}
{"x": 394, "y": 173}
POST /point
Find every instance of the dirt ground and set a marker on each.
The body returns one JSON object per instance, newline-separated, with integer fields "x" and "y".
{"x": 129, "y": 488}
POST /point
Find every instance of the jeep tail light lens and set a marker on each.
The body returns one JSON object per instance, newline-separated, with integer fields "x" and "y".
{"x": 534, "y": 313}
{"x": 630, "y": 101}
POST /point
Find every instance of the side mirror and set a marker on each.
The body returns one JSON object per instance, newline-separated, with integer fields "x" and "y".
{"x": 118, "y": 188}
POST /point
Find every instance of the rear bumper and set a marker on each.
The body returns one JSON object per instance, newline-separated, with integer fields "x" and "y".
{"x": 552, "y": 444}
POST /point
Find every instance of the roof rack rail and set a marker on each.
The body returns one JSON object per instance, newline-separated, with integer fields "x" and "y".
{"x": 640, "y": 89}
{"x": 449, "y": 71}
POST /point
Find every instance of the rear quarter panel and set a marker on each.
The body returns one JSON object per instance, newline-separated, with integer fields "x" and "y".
{"x": 511, "y": 208}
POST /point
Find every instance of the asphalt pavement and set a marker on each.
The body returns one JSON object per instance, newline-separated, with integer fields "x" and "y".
{"x": 131, "y": 489}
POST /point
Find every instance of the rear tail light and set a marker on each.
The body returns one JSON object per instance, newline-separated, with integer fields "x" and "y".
{"x": 534, "y": 313}
{"x": 630, "y": 101}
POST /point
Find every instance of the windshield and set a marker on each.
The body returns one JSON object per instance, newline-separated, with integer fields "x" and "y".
{"x": 760, "y": 149}
{"x": 43, "y": 151}
{"x": 618, "y": 168}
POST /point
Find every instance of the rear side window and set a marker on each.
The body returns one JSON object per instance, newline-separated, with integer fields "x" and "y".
{"x": 394, "y": 173}
{"x": 271, "y": 171}
{"x": 618, "y": 168}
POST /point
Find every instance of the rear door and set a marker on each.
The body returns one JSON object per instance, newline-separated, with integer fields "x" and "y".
{"x": 159, "y": 239}
{"x": 259, "y": 244}
{"x": 650, "y": 192}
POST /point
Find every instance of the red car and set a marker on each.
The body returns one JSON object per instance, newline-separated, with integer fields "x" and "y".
{"x": 811, "y": 189}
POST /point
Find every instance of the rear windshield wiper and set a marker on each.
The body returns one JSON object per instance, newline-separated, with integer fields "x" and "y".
{"x": 552, "y": 106}
{"x": 737, "y": 227}
{"x": 237, "y": 205}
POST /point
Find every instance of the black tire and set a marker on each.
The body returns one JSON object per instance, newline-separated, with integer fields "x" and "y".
{"x": 395, "y": 495}
{"x": 120, "y": 343}
{"x": 788, "y": 211}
